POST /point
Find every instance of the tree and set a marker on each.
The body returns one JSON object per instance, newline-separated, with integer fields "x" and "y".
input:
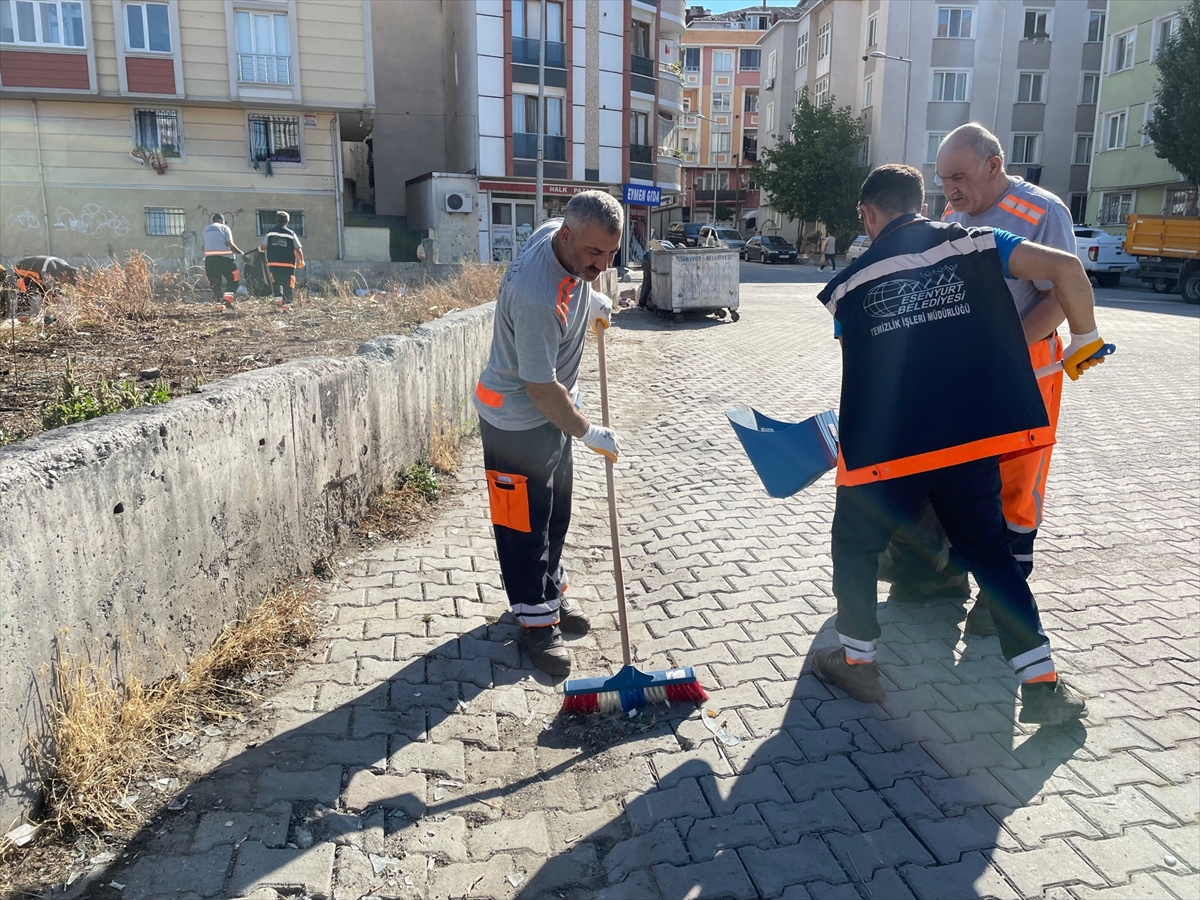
{"x": 814, "y": 174}
{"x": 1175, "y": 128}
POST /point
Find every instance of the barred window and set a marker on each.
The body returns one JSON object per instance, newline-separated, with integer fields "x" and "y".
{"x": 275, "y": 139}
{"x": 158, "y": 129}
{"x": 165, "y": 220}
{"x": 266, "y": 220}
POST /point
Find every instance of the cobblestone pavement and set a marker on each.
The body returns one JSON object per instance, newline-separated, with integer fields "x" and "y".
{"x": 420, "y": 757}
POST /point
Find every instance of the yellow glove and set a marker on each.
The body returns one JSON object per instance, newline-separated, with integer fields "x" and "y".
{"x": 1076, "y": 359}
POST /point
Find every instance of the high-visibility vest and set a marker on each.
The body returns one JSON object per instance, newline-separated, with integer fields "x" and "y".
{"x": 935, "y": 366}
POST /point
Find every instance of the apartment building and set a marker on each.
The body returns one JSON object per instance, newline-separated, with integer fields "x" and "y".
{"x": 806, "y": 48}
{"x": 612, "y": 98}
{"x": 124, "y": 125}
{"x": 725, "y": 79}
{"x": 916, "y": 71}
{"x": 1127, "y": 176}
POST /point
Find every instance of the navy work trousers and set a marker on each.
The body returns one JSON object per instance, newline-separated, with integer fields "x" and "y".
{"x": 966, "y": 498}
{"x": 530, "y": 477}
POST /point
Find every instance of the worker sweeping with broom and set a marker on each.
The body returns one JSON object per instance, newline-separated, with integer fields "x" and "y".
{"x": 526, "y": 399}
{"x": 936, "y": 386}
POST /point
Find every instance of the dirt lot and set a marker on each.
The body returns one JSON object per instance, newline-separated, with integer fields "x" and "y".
{"x": 126, "y": 323}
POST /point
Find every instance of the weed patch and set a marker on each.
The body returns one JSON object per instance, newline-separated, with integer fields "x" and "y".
{"x": 78, "y": 403}
{"x": 108, "y": 724}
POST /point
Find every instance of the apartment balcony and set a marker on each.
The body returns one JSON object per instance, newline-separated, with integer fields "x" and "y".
{"x": 641, "y": 162}
{"x": 642, "y": 71}
{"x": 670, "y": 170}
{"x": 261, "y": 68}
{"x": 671, "y": 18}
{"x": 554, "y": 147}
{"x": 670, "y": 91}
{"x": 525, "y": 52}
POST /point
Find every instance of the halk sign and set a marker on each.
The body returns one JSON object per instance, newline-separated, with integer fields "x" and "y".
{"x": 643, "y": 195}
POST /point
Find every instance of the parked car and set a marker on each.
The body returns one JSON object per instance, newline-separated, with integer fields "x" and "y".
{"x": 1103, "y": 255}
{"x": 857, "y": 247}
{"x": 769, "y": 248}
{"x": 725, "y": 238}
{"x": 684, "y": 234}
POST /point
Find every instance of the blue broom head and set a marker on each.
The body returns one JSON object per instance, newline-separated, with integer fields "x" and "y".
{"x": 788, "y": 456}
{"x": 629, "y": 679}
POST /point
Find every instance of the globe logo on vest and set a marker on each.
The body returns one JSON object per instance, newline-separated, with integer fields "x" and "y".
{"x": 939, "y": 287}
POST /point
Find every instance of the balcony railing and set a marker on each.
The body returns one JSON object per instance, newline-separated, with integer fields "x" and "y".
{"x": 525, "y": 52}
{"x": 554, "y": 147}
{"x": 641, "y": 153}
{"x": 261, "y": 68}
{"x": 641, "y": 65}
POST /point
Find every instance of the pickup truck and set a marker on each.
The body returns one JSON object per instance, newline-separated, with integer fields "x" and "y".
{"x": 1102, "y": 255}
{"x": 1167, "y": 249}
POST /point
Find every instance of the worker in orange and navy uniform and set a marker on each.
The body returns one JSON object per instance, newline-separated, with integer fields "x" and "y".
{"x": 284, "y": 256}
{"x": 528, "y": 408}
{"x": 219, "y": 264}
{"x": 970, "y": 167}
{"x": 936, "y": 387}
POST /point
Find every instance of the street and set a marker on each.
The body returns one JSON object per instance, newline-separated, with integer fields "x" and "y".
{"x": 422, "y": 756}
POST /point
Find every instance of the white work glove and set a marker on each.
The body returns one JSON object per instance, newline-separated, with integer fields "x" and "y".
{"x": 1075, "y": 357}
{"x": 599, "y": 312}
{"x": 603, "y": 441}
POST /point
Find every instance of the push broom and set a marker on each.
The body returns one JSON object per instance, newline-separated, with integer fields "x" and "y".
{"x": 629, "y": 688}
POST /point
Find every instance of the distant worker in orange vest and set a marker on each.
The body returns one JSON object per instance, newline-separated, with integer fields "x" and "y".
{"x": 219, "y": 264}
{"x": 284, "y": 256}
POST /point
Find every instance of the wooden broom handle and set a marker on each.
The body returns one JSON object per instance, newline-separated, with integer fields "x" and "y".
{"x": 618, "y": 575}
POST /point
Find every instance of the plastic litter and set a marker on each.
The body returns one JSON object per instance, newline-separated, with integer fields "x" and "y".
{"x": 720, "y": 732}
{"x": 22, "y": 834}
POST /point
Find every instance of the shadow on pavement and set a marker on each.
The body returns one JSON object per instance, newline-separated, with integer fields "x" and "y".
{"x": 846, "y": 799}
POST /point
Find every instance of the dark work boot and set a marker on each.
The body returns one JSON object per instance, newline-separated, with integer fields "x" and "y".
{"x": 859, "y": 681}
{"x": 571, "y": 619}
{"x": 547, "y": 650}
{"x": 1050, "y": 703}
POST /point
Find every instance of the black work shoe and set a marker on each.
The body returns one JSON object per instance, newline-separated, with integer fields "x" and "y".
{"x": 979, "y": 621}
{"x": 1050, "y": 703}
{"x": 859, "y": 681}
{"x": 547, "y": 650}
{"x": 571, "y": 619}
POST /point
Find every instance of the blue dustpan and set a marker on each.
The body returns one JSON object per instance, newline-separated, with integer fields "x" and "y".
{"x": 788, "y": 456}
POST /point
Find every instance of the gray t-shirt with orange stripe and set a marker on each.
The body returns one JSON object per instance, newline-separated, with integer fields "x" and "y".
{"x": 538, "y": 334}
{"x": 1034, "y": 214}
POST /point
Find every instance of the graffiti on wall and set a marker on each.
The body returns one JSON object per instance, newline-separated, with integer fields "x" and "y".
{"x": 22, "y": 218}
{"x": 91, "y": 220}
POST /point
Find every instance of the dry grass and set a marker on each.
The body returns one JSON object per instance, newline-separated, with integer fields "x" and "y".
{"x": 113, "y": 292}
{"x": 108, "y": 724}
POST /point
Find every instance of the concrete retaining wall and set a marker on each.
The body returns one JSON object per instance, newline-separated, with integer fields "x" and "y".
{"x": 164, "y": 522}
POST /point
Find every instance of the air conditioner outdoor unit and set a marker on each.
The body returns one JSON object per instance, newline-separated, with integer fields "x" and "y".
{"x": 770, "y": 85}
{"x": 458, "y": 203}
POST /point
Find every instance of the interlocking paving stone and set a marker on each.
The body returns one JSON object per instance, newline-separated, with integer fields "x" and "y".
{"x": 684, "y": 799}
{"x": 717, "y": 879}
{"x": 259, "y": 866}
{"x": 774, "y": 870}
{"x": 789, "y": 822}
{"x": 660, "y": 844}
{"x": 970, "y": 878}
{"x": 804, "y": 781}
{"x": 1032, "y": 871}
{"x": 744, "y": 828}
{"x": 892, "y": 844}
{"x": 270, "y": 826}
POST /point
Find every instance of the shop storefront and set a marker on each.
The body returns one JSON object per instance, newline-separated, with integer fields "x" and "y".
{"x": 506, "y": 213}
